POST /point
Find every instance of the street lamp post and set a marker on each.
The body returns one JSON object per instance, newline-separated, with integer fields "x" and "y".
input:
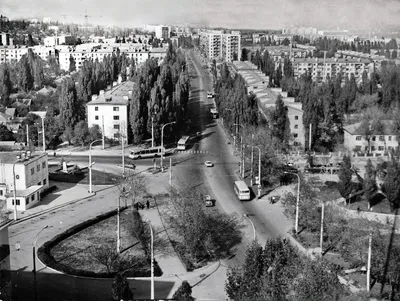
{"x": 162, "y": 143}
{"x": 34, "y": 260}
{"x": 15, "y": 190}
{"x": 44, "y": 137}
{"x": 152, "y": 262}
{"x": 252, "y": 224}
{"x": 296, "y": 226}
{"x": 241, "y": 150}
{"x": 90, "y": 164}
{"x": 259, "y": 170}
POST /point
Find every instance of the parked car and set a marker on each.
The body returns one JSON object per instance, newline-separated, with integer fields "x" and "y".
{"x": 209, "y": 202}
{"x": 274, "y": 199}
{"x": 208, "y": 164}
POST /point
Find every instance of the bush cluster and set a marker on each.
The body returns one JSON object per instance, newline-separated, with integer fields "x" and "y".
{"x": 44, "y": 253}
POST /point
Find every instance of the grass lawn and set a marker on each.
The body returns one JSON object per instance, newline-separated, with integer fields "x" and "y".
{"x": 76, "y": 251}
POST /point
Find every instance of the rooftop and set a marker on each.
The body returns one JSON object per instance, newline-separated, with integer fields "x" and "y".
{"x": 356, "y": 129}
{"x": 11, "y": 157}
{"x": 118, "y": 95}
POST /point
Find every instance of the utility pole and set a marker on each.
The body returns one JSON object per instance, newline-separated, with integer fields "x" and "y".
{"x": 242, "y": 153}
{"x": 102, "y": 127}
{"x": 44, "y": 137}
{"x": 369, "y": 262}
{"x": 27, "y": 135}
{"x": 152, "y": 131}
{"x": 252, "y": 158}
{"x": 123, "y": 156}
{"x": 309, "y": 139}
{"x": 322, "y": 226}
{"x": 170, "y": 171}
{"x": 118, "y": 227}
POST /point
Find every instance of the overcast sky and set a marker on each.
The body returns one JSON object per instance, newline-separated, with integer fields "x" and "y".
{"x": 259, "y": 14}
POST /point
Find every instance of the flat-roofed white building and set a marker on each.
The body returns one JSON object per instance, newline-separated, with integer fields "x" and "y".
{"x": 218, "y": 45}
{"x": 31, "y": 177}
{"x": 109, "y": 110}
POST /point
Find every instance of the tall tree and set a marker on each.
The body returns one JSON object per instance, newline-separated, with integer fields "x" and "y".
{"x": 71, "y": 110}
{"x": 391, "y": 184}
{"x": 120, "y": 289}
{"x": 370, "y": 186}
{"x": 6, "y": 134}
{"x": 25, "y": 78}
{"x": 280, "y": 122}
{"x": 72, "y": 64}
{"x": 345, "y": 175}
{"x": 5, "y": 84}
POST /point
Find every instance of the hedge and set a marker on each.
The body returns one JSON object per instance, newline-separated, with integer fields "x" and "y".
{"x": 44, "y": 253}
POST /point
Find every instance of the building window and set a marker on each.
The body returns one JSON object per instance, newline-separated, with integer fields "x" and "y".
{"x": 43, "y": 165}
{"x": 295, "y": 135}
{"x": 17, "y": 202}
{"x": 44, "y": 181}
{"x": 38, "y": 168}
{"x": 96, "y": 117}
{"x": 372, "y": 148}
{"x": 381, "y": 138}
{"x": 115, "y": 109}
{"x": 1, "y": 192}
{"x": 358, "y": 137}
{"x": 96, "y": 108}
{"x": 32, "y": 171}
{"x": 296, "y": 117}
{"x": 116, "y": 126}
{"x": 358, "y": 148}
{"x": 390, "y": 138}
{"x": 27, "y": 201}
{"x": 373, "y": 138}
{"x": 116, "y": 136}
{"x": 380, "y": 148}
{"x": 296, "y": 126}
{"x": 116, "y": 117}
{"x": 33, "y": 197}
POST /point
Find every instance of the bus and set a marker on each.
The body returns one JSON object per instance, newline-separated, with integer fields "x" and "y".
{"x": 241, "y": 190}
{"x": 151, "y": 152}
{"x": 183, "y": 143}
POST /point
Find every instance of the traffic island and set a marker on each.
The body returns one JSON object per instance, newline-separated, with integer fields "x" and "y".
{"x": 90, "y": 249}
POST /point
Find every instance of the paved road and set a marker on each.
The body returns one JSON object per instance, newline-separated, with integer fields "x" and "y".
{"x": 188, "y": 169}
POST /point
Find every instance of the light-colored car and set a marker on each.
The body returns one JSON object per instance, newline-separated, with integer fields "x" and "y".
{"x": 209, "y": 202}
{"x": 208, "y": 164}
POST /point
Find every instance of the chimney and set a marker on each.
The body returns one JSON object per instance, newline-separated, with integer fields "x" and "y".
{"x": 119, "y": 79}
{"x": 94, "y": 97}
{"x": 130, "y": 92}
{"x": 101, "y": 92}
{"x": 126, "y": 97}
{"x": 114, "y": 84}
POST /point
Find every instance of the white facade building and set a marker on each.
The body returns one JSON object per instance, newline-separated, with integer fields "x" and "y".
{"x": 109, "y": 110}
{"x": 31, "y": 177}
{"x": 218, "y": 45}
{"x": 380, "y": 142}
{"x": 163, "y": 32}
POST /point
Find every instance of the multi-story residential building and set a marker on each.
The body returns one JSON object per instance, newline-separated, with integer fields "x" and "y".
{"x": 231, "y": 46}
{"x": 109, "y": 110}
{"x": 15, "y": 53}
{"x": 377, "y": 59}
{"x": 139, "y": 52}
{"x": 31, "y": 177}
{"x": 257, "y": 83}
{"x": 5, "y": 39}
{"x": 218, "y": 45}
{"x": 59, "y": 40}
{"x": 163, "y": 32}
{"x": 320, "y": 69}
{"x": 5, "y": 271}
{"x": 300, "y": 31}
{"x": 376, "y": 142}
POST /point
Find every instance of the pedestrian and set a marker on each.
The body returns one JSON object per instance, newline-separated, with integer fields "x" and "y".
{"x": 133, "y": 166}
{"x": 148, "y": 204}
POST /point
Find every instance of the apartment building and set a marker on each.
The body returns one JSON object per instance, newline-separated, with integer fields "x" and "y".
{"x": 231, "y": 50}
{"x": 31, "y": 177}
{"x": 14, "y": 53}
{"x": 109, "y": 110}
{"x": 162, "y": 32}
{"x": 220, "y": 46}
{"x": 257, "y": 83}
{"x": 5, "y": 39}
{"x": 379, "y": 142}
{"x": 320, "y": 69}
{"x": 58, "y": 40}
{"x": 139, "y": 52}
